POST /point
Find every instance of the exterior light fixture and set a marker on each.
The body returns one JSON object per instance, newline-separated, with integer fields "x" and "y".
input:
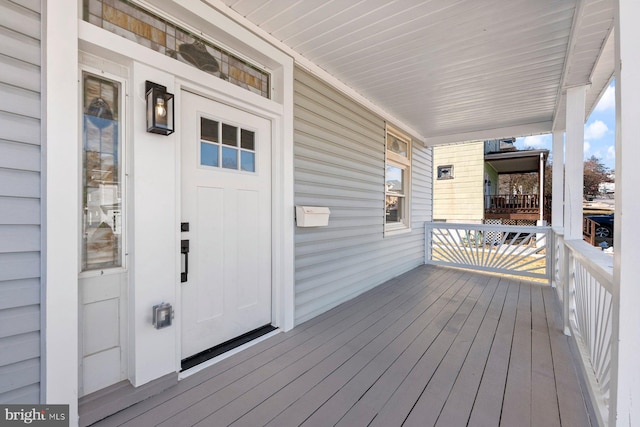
{"x": 160, "y": 114}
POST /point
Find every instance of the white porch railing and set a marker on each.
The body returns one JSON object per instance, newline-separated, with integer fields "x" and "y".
{"x": 516, "y": 250}
{"x": 581, "y": 274}
{"x": 585, "y": 286}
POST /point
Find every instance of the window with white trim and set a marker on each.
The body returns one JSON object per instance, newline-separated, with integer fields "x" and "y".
{"x": 397, "y": 181}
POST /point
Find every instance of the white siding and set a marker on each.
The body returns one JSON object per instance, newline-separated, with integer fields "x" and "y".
{"x": 20, "y": 207}
{"x": 339, "y": 163}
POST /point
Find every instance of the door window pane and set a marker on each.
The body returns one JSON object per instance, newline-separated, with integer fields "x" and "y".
{"x": 248, "y": 161}
{"x": 101, "y": 177}
{"x": 208, "y": 130}
{"x": 229, "y": 158}
{"x": 208, "y": 154}
{"x": 229, "y": 135}
{"x": 227, "y": 146}
{"x": 247, "y": 139}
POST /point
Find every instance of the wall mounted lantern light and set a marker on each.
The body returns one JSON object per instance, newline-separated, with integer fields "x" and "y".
{"x": 160, "y": 115}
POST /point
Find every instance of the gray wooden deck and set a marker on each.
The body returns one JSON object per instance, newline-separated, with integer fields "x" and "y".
{"x": 435, "y": 346}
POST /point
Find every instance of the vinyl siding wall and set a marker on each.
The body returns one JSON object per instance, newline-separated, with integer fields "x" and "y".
{"x": 340, "y": 163}
{"x": 20, "y": 210}
{"x": 460, "y": 199}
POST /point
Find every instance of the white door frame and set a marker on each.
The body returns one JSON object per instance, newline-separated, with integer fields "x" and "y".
{"x": 282, "y": 303}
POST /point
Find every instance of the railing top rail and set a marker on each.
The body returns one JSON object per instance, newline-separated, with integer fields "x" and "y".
{"x": 599, "y": 264}
{"x": 489, "y": 227}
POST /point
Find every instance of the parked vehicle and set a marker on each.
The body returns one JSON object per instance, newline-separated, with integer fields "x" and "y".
{"x": 605, "y": 225}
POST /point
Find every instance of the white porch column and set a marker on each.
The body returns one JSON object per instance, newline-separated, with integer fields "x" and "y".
{"x": 574, "y": 163}
{"x": 625, "y": 376}
{"x": 557, "y": 196}
{"x": 541, "y": 201}
{"x": 61, "y": 168}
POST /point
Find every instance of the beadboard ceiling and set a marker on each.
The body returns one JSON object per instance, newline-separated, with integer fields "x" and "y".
{"x": 451, "y": 70}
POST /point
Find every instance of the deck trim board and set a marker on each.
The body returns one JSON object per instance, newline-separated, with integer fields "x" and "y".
{"x": 436, "y": 346}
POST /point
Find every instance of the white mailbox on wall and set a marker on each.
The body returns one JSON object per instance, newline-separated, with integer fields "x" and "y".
{"x": 312, "y": 216}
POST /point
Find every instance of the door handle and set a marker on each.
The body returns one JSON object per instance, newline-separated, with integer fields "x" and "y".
{"x": 184, "y": 251}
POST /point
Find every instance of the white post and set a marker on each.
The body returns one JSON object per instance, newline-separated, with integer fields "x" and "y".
{"x": 625, "y": 374}
{"x": 541, "y": 189}
{"x": 574, "y": 163}
{"x": 61, "y": 222}
{"x": 568, "y": 284}
{"x": 557, "y": 197}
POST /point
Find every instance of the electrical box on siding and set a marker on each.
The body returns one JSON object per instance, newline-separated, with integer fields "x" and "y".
{"x": 312, "y": 216}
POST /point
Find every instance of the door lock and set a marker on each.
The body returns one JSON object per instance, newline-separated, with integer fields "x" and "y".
{"x": 184, "y": 251}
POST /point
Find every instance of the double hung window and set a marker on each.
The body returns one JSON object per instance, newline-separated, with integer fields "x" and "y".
{"x": 397, "y": 181}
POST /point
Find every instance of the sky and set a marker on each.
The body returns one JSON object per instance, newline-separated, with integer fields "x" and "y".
{"x": 599, "y": 132}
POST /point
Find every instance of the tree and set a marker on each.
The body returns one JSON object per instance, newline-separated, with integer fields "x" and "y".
{"x": 595, "y": 173}
{"x": 528, "y": 182}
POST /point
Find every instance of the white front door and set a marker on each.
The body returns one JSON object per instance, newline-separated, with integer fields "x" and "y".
{"x": 226, "y": 199}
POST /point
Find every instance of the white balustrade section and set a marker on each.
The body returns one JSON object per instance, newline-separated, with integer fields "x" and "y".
{"x": 515, "y": 250}
{"x": 586, "y": 286}
{"x": 582, "y": 275}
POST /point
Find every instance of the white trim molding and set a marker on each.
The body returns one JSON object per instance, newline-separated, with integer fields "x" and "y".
{"x": 61, "y": 223}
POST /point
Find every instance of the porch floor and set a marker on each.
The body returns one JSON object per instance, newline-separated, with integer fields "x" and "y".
{"x": 435, "y": 346}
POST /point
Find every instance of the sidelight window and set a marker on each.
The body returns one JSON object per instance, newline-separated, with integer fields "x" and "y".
{"x": 102, "y": 216}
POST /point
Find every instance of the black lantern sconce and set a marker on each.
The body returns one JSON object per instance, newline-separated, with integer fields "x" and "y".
{"x": 160, "y": 115}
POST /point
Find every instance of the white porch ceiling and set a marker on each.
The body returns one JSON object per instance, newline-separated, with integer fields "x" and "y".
{"x": 452, "y": 70}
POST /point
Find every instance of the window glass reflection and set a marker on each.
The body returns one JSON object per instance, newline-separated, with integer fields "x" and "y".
{"x": 101, "y": 178}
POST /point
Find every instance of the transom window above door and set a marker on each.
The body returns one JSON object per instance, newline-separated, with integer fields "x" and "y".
{"x": 227, "y": 146}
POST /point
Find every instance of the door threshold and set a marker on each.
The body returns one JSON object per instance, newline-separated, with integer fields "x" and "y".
{"x": 220, "y": 352}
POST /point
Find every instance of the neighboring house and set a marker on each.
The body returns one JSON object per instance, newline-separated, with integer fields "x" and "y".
{"x": 467, "y": 189}
{"x": 458, "y": 182}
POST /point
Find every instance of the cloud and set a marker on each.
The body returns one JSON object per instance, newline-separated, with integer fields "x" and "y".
{"x": 611, "y": 152}
{"x": 587, "y": 147}
{"x": 534, "y": 141}
{"x": 608, "y": 100}
{"x": 595, "y": 130}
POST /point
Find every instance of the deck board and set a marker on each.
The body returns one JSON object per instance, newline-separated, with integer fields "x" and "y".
{"x": 516, "y": 406}
{"x": 435, "y": 346}
{"x": 544, "y": 405}
{"x": 457, "y": 408}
